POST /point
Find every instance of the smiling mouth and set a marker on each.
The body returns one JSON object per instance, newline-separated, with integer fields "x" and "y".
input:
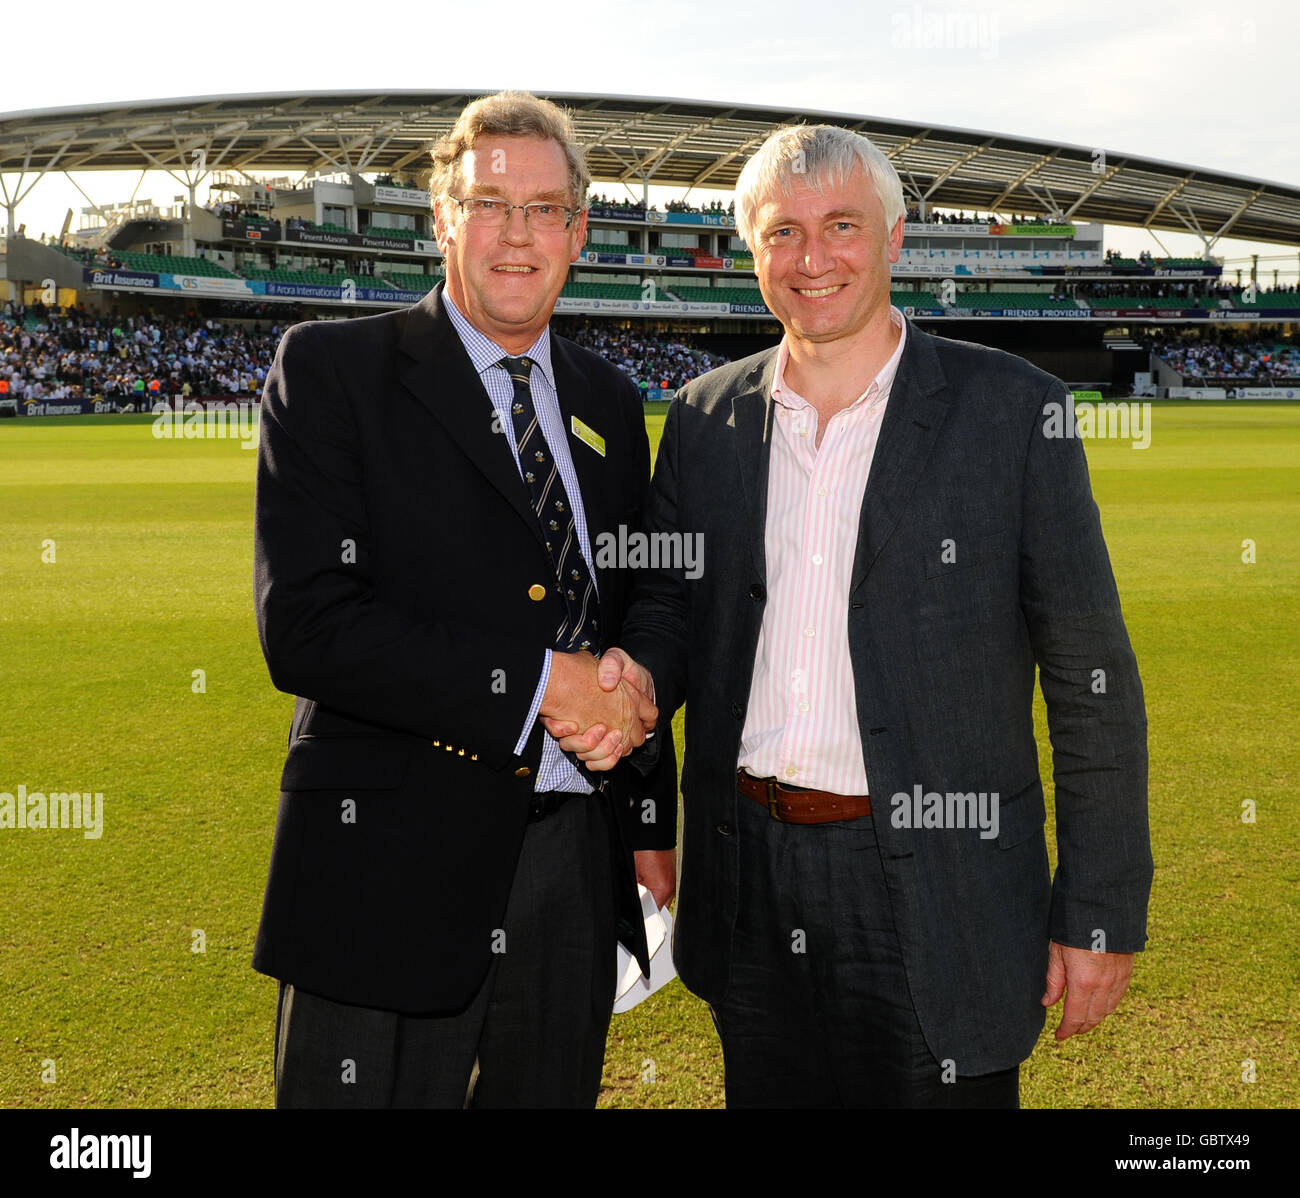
{"x": 819, "y": 292}
{"x": 516, "y": 270}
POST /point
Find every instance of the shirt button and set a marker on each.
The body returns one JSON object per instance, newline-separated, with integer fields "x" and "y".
{"x": 823, "y": 490}
{"x": 817, "y": 559}
{"x": 803, "y": 706}
{"x": 810, "y": 631}
{"x": 790, "y": 772}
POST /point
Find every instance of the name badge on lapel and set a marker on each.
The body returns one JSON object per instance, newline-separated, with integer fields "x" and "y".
{"x": 587, "y": 435}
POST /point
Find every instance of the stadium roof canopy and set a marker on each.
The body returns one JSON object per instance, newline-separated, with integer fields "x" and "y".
{"x": 642, "y": 140}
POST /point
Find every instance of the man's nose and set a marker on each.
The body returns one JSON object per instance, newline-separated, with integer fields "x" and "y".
{"x": 816, "y": 255}
{"x": 516, "y": 230}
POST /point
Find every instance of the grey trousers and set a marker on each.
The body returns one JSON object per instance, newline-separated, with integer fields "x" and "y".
{"x": 818, "y": 1012}
{"x": 533, "y": 1035}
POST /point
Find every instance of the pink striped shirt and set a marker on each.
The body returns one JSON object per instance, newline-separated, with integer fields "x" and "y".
{"x": 802, "y": 723}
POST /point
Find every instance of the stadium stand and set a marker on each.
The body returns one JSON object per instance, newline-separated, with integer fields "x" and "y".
{"x": 171, "y": 264}
{"x": 1139, "y": 301}
{"x": 718, "y": 295}
{"x": 629, "y": 291}
{"x": 392, "y": 231}
{"x": 649, "y": 361}
{"x": 410, "y": 282}
{"x": 1012, "y": 299}
{"x": 1269, "y": 299}
{"x": 913, "y": 216}
{"x": 600, "y": 201}
{"x": 311, "y": 278}
{"x": 1265, "y": 362}
{"x": 914, "y": 299}
{"x": 53, "y": 355}
{"x": 47, "y": 355}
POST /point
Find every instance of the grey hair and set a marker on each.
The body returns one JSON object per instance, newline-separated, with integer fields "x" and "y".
{"x": 816, "y": 154}
{"x": 509, "y": 114}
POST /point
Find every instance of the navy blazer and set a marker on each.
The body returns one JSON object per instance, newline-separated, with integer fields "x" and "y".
{"x": 396, "y": 549}
{"x": 979, "y": 557}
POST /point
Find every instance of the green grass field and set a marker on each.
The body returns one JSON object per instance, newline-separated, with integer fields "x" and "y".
{"x": 104, "y": 1003}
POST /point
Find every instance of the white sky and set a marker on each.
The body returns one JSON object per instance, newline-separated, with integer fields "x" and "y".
{"x": 1198, "y": 82}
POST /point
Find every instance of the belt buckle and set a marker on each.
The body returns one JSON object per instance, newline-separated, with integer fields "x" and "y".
{"x": 772, "y": 801}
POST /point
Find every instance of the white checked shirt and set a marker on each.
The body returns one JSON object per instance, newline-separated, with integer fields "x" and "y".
{"x": 802, "y": 723}
{"x": 555, "y": 772}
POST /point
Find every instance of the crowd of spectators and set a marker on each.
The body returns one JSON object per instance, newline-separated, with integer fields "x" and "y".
{"x": 648, "y": 361}
{"x": 971, "y": 218}
{"x": 102, "y": 258}
{"x": 1227, "y": 358}
{"x": 1118, "y": 259}
{"x": 1143, "y": 257}
{"x": 237, "y": 210}
{"x": 71, "y": 355}
{"x": 604, "y": 201}
{"x": 1171, "y": 288}
{"x": 713, "y": 208}
{"x": 1233, "y": 291}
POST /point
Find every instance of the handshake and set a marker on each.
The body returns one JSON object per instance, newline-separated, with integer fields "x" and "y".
{"x": 600, "y": 710}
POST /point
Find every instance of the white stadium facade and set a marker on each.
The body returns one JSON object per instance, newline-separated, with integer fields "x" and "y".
{"x": 315, "y": 204}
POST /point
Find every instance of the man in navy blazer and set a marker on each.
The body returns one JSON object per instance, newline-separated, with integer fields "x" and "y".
{"x": 446, "y": 885}
{"x": 895, "y": 536}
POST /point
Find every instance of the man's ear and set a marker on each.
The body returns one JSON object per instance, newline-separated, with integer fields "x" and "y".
{"x": 440, "y": 223}
{"x": 580, "y": 234}
{"x": 896, "y": 239}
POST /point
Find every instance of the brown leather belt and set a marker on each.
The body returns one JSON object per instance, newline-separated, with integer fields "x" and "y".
{"x": 801, "y": 806}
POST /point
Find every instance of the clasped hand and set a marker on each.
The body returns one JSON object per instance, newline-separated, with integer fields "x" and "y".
{"x": 599, "y": 710}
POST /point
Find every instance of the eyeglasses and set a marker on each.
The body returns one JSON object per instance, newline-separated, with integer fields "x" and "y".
{"x": 494, "y": 214}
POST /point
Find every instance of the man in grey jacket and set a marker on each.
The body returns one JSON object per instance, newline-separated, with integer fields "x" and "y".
{"x": 895, "y": 533}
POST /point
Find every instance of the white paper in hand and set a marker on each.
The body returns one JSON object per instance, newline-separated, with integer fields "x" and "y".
{"x": 632, "y": 987}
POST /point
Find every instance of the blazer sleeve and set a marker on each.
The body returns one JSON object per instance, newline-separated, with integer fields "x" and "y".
{"x": 1095, "y": 708}
{"x": 655, "y": 634}
{"x": 326, "y": 634}
{"x": 649, "y": 773}
{"x": 656, "y": 628}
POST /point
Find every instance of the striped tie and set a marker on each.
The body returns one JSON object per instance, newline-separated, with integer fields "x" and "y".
{"x": 579, "y": 628}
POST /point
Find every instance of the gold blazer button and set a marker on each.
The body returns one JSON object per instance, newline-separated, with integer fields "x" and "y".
{"x": 522, "y": 772}
{"x": 537, "y": 592}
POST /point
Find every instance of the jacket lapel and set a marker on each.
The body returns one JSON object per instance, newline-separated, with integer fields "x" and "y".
{"x": 913, "y": 417}
{"x": 439, "y": 374}
{"x": 751, "y": 417}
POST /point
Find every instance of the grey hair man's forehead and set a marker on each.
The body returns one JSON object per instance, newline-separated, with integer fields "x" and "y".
{"x": 814, "y": 155}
